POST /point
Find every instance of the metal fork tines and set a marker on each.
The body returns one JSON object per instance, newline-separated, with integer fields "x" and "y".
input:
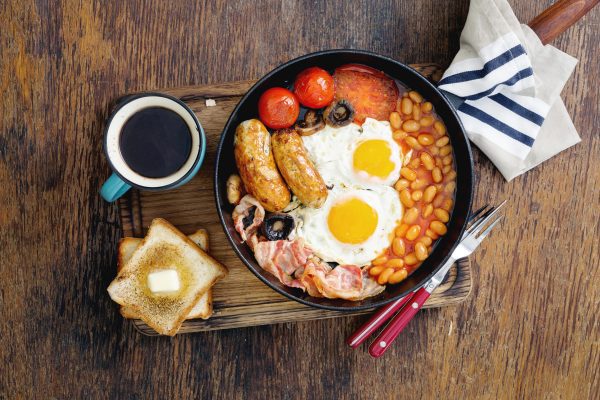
{"x": 478, "y": 230}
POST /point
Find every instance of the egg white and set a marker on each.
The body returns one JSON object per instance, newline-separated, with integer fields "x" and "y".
{"x": 312, "y": 226}
{"x": 332, "y": 152}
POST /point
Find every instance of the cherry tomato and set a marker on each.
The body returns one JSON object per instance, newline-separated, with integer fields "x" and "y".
{"x": 278, "y": 108}
{"x": 314, "y": 87}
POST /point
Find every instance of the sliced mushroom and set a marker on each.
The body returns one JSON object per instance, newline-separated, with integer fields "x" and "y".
{"x": 278, "y": 226}
{"x": 249, "y": 219}
{"x": 339, "y": 113}
{"x": 312, "y": 123}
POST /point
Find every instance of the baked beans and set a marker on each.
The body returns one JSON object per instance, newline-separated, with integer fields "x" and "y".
{"x": 426, "y": 188}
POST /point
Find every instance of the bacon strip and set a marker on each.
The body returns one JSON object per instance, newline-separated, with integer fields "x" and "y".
{"x": 307, "y": 279}
{"x": 344, "y": 281}
{"x": 283, "y": 258}
{"x": 289, "y": 261}
{"x": 247, "y": 217}
{"x": 370, "y": 287}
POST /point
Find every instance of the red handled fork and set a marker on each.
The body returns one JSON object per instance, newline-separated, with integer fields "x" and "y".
{"x": 386, "y": 312}
{"x": 472, "y": 238}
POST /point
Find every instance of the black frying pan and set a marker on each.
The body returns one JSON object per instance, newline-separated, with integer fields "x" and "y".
{"x": 284, "y": 75}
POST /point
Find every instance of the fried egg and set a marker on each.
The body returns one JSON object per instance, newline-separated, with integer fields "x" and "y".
{"x": 354, "y": 225}
{"x": 355, "y": 156}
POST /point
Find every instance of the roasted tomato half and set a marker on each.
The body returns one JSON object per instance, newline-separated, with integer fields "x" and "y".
{"x": 372, "y": 93}
{"x": 278, "y": 108}
{"x": 314, "y": 87}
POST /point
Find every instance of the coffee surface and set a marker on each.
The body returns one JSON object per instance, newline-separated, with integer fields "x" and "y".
{"x": 155, "y": 142}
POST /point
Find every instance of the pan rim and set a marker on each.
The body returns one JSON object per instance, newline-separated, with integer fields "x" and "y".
{"x": 218, "y": 187}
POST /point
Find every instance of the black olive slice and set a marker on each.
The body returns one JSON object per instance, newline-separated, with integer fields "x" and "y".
{"x": 277, "y": 226}
{"x": 339, "y": 113}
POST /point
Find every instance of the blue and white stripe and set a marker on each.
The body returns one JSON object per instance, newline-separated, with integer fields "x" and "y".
{"x": 498, "y": 92}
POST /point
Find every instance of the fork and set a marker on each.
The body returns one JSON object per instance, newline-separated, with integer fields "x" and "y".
{"x": 387, "y": 311}
{"x": 471, "y": 239}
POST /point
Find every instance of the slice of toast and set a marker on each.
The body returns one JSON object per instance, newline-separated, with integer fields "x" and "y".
{"x": 203, "y": 308}
{"x": 165, "y": 247}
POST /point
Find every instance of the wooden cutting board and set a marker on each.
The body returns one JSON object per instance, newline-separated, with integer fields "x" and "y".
{"x": 240, "y": 299}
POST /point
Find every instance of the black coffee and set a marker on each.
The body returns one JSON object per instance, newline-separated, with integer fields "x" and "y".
{"x": 155, "y": 142}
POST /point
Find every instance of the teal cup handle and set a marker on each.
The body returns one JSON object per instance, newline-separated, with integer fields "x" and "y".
{"x": 113, "y": 188}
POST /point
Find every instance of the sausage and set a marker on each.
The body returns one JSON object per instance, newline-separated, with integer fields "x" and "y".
{"x": 255, "y": 162}
{"x": 297, "y": 169}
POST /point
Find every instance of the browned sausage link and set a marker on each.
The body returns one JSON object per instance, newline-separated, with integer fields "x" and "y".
{"x": 255, "y": 162}
{"x": 297, "y": 169}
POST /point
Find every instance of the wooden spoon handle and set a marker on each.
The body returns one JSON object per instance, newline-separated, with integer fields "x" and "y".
{"x": 559, "y": 17}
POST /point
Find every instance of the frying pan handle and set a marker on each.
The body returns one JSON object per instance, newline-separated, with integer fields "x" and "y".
{"x": 559, "y": 17}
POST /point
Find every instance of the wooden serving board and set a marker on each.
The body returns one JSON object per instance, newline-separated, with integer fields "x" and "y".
{"x": 240, "y": 299}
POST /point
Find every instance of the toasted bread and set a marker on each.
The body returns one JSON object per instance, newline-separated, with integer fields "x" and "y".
{"x": 165, "y": 246}
{"x": 203, "y": 308}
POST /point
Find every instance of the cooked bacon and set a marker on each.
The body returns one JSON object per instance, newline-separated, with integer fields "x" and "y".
{"x": 301, "y": 252}
{"x": 308, "y": 273}
{"x": 283, "y": 258}
{"x": 344, "y": 281}
{"x": 253, "y": 240}
{"x": 247, "y": 217}
{"x": 370, "y": 287}
{"x": 292, "y": 264}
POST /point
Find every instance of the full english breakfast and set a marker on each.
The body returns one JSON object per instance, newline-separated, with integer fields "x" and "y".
{"x": 346, "y": 180}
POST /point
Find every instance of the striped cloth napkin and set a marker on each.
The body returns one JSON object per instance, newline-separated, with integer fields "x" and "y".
{"x": 506, "y": 86}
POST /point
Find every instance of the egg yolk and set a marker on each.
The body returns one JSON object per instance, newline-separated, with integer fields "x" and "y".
{"x": 373, "y": 157}
{"x": 352, "y": 221}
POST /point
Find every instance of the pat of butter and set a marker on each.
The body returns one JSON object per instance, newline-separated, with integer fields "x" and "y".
{"x": 166, "y": 280}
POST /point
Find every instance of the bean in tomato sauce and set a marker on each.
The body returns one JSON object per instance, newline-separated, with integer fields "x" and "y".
{"x": 426, "y": 188}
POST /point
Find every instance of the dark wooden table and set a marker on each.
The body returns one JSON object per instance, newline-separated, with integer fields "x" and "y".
{"x": 529, "y": 330}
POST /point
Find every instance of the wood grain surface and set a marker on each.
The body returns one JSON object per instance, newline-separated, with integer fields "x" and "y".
{"x": 240, "y": 299}
{"x": 530, "y": 329}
